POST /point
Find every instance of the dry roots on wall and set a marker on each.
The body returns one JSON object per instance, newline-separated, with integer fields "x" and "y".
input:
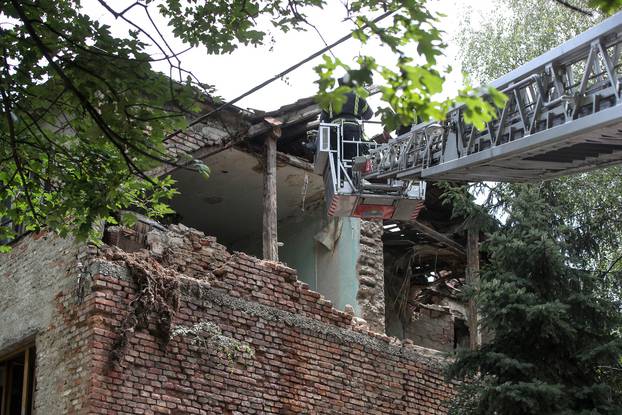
{"x": 154, "y": 307}
{"x": 157, "y": 300}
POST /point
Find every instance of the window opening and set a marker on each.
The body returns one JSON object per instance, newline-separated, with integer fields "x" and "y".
{"x": 461, "y": 334}
{"x": 17, "y": 382}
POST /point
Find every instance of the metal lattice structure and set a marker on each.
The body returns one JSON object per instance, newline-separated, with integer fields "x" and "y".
{"x": 347, "y": 194}
{"x": 563, "y": 115}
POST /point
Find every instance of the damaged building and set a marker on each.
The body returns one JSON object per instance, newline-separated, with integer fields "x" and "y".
{"x": 182, "y": 317}
{"x": 371, "y": 266}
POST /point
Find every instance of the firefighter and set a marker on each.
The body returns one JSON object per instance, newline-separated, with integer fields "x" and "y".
{"x": 353, "y": 111}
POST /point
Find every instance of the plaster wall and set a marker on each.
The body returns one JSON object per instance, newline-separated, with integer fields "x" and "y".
{"x": 332, "y": 272}
{"x": 24, "y": 284}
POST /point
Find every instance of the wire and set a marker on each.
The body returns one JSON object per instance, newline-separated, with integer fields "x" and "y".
{"x": 274, "y": 78}
{"x": 574, "y": 8}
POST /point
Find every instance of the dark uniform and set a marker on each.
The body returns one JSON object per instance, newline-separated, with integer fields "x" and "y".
{"x": 354, "y": 109}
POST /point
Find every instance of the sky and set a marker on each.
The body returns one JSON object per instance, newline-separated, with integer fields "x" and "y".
{"x": 236, "y": 73}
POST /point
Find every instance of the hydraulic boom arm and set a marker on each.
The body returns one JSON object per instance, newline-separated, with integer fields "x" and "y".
{"x": 563, "y": 115}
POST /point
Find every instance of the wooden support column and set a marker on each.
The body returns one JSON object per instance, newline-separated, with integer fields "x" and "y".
{"x": 270, "y": 240}
{"x": 472, "y": 279}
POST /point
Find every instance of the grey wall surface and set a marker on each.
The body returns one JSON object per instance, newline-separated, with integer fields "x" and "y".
{"x": 32, "y": 274}
{"x": 38, "y": 291}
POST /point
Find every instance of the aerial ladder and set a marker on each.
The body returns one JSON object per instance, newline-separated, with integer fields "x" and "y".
{"x": 563, "y": 116}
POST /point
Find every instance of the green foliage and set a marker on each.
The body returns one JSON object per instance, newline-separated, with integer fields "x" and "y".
{"x": 222, "y": 25}
{"x": 589, "y": 205}
{"x": 410, "y": 89}
{"x": 588, "y": 201}
{"x": 83, "y": 115}
{"x": 549, "y": 296}
{"x": 478, "y": 111}
{"x": 525, "y": 30}
{"x": 554, "y": 346}
{"x": 606, "y": 6}
{"x": 466, "y": 400}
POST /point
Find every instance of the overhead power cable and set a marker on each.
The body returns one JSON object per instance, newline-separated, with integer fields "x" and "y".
{"x": 274, "y": 78}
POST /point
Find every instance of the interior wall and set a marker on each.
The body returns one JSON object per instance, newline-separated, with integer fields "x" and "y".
{"x": 229, "y": 204}
{"x": 433, "y": 327}
{"x": 330, "y": 271}
{"x": 433, "y": 320}
{"x": 229, "y": 207}
{"x": 250, "y": 245}
{"x": 336, "y": 273}
{"x": 393, "y": 284}
{"x": 299, "y": 246}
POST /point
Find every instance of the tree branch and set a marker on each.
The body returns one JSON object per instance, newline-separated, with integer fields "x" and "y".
{"x": 15, "y": 154}
{"x": 574, "y": 8}
{"x": 13, "y": 138}
{"x": 102, "y": 52}
{"x": 110, "y": 134}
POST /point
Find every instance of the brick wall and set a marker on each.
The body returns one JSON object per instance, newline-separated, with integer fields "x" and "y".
{"x": 370, "y": 268}
{"x": 271, "y": 346}
{"x": 201, "y": 139}
{"x": 308, "y": 356}
{"x": 40, "y": 303}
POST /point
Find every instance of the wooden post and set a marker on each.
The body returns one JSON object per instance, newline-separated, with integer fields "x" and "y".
{"x": 26, "y": 378}
{"x": 270, "y": 240}
{"x": 472, "y": 279}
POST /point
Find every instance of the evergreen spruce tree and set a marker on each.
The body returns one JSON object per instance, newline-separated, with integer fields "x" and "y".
{"x": 554, "y": 346}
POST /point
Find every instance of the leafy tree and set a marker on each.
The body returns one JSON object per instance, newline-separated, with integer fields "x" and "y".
{"x": 555, "y": 345}
{"x": 511, "y": 39}
{"x": 606, "y": 6}
{"x": 546, "y": 295}
{"x": 523, "y": 31}
{"x": 83, "y": 114}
